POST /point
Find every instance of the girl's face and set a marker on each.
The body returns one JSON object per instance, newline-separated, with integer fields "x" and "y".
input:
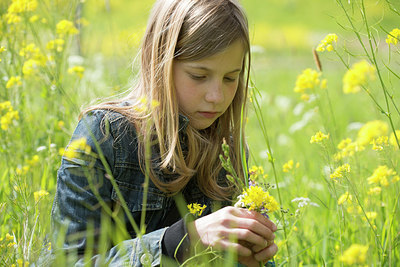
{"x": 205, "y": 88}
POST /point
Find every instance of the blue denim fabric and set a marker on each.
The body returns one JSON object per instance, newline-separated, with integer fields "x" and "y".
{"x": 75, "y": 204}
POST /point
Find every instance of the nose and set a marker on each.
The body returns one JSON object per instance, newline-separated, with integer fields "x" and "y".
{"x": 215, "y": 93}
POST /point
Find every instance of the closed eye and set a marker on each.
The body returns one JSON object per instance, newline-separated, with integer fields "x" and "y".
{"x": 197, "y": 77}
{"x": 229, "y": 79}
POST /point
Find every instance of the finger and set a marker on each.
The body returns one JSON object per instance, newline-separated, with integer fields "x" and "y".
{"x": 238, "y": 248}
{"x": 249, "y": 261}
{"x": 267, "y": 253}
{"x": 259, "y": 217}
{"x": 256, "y": 227}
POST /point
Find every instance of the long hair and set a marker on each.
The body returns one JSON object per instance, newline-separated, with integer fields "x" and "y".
{"x": 187, "y": 30}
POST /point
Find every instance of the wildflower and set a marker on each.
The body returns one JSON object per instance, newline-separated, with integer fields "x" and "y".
{"x": 304, "y": 201}
{"x": 327, "y": 42}
{"x": 56, "y": 44}
{"x": 9, "y": 237}
{"x": 256, "y": 173}
{"x": 381, "y": 175}
{"x": 346, "y": 197}
{"x": 393, "y": 37}
{"x": 371, "y": 130}
{"x": 354, "y": 254}
{"x": 396, "y": 179}
{"x": 309, "y": 79}
{"x": 255, "y": 198}
{"x": 60, "y": 124}
{"x": 379, "y": 143}
{"x": 357, "y": 76}
{"x": 18, "y": 7}
{"x": 14, "y": 81}
{"x": 34, "y": 161}
{"x": 40, "y": 194}
{"x": 9, "y": 116}
{"x": 82, "y": 22}
{"x": 78, "y": 70}
{"x": 2, "y": 49}
{"x": 371, "y": 215}
{"x": 340, "y": 171}
{"x": 65, "y": 27}
{"x": 22, "y": 171}
{"x": 375, "y": 190}
{"x": 347, "y": 149}
{"x": 288, "y": 166}
{"x": 319, "y": 137}
{"x": 34, "y": 18}
{"x": 392, "y": 138}
{"x": 76, "y": 146}
{"x": 196, "y": 209}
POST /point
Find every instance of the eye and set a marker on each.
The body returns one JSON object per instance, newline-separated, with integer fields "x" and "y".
{"x": 229, "y": 79}
{"x": 197, "y": 77}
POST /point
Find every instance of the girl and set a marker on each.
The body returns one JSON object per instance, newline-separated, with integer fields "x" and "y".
{"x": 139, "y": 156}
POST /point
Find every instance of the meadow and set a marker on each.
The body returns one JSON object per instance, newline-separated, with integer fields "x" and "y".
{"x": 323, "y": 126}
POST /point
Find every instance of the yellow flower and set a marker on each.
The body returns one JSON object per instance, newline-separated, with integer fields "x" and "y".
{"x": 346, "y": 197}
{"x": 327, "y": 42}
{"x": 56, "y": 44}
{"x": 392, "y": 139}
{"x": 40, "y": 194}
{"x": 319, "y": 137}
{"x": 9, "y": 237}
{"x": 288, "y": 166}
{"x": 65, "y": 27}
{"x": 340, "y": 171}
{"x": 307, "y": 80}
{"x": 78, "y": 70}
{"x": 381, "y": 175}
{"x": 371, "y": 130}
{"x": 379, "y": 143}
{"x": 9, "y": 116}
{"x": 196, "y": 209}
{"x": 14, "y": 81}
{"x": 375, "y": 190}
{"x": 34, "y": 18}
{"x": 255, "y": 198}
{"x": 393, "y": 37}
{"x": 256, "y": 173}
{"x": 60, "y": 124}
{"x": 76, "y": 146}
{"x": 371, "y": 215}
{"x": 357, "y": 76}
{"x": 354, "y": 254}
{"x": 20, "y": 6}
{"x": 34, "y": 161}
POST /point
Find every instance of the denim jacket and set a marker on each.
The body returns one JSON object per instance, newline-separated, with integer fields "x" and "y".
{"x": 76, "y": 201}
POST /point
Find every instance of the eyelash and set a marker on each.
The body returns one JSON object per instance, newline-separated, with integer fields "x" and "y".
{"x": 200, "y": 78}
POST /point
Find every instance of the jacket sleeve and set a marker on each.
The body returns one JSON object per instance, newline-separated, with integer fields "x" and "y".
{"x": 81, "y": 182}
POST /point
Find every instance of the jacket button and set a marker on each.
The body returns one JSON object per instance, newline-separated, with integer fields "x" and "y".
{"x": 146, "y": 259}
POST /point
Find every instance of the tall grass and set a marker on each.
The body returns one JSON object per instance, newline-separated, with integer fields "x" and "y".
{"x": 339, "y": 204}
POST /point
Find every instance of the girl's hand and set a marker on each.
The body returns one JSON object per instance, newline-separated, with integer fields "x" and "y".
{"x": 248, "y": 233}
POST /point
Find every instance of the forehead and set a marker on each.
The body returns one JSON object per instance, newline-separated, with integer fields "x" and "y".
{"x": 230, "y": 59}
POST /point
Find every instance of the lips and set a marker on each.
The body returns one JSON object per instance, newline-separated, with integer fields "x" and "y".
{"x": 208, "y": 115}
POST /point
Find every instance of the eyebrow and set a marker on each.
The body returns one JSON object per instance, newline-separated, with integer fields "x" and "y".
{"x": 207, "y": 69}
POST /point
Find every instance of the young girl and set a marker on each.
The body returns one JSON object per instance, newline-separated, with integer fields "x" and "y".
{"x": 136, "y": 156}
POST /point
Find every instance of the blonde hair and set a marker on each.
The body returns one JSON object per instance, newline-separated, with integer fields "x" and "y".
{"x": 187, "y": 30}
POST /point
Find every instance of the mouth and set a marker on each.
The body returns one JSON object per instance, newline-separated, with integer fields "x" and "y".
{"x": 208, "y": 115}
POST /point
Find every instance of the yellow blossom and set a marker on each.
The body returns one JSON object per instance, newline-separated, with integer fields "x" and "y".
{"x": 196, "y": 209}
{"x": 379, "y": 143}
{"x": 255, "y": 198}
{"x": 357, "y": 77}
{"x": 396, "y": 179}
{"x": 22, "y": 171}
{"x": 326, "y": 43}
{"x": 76, "y": 146}
{"x": 34, "y": 161}
{"x": 393, "y": 37}
{"x": 371, "y": 130}
{"x": 381, "y": 175}
{"x": 319, "y": 137}
{"x": 78, "y": 70}
{"x": 40, "y": 194}
{"x": 61, "y": 124}
{"x": 375, "y": 190}
{"x": 12, "y": 18}
{"x": 34, "y": 18}
{"x": 288, "y": 166}
{"x": 340, "y": 171}
{"x": 56, "y": 44}
{"x": 10, "y": 115}
{"x": 371, "y": 215}
{"x": 307, "y": 80}
{"x": 9, "y": 237}
{"x": 346, "y": 197}
{"x": 14, "y": 81}
{"x": 354, "y": 254}
{"x": 20, "y": 6}
{"x": 65, "y": 27}
{"x": 392, "y": 139}
{"x": 256, "y": 173}
{"x": 12, "y": 244}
